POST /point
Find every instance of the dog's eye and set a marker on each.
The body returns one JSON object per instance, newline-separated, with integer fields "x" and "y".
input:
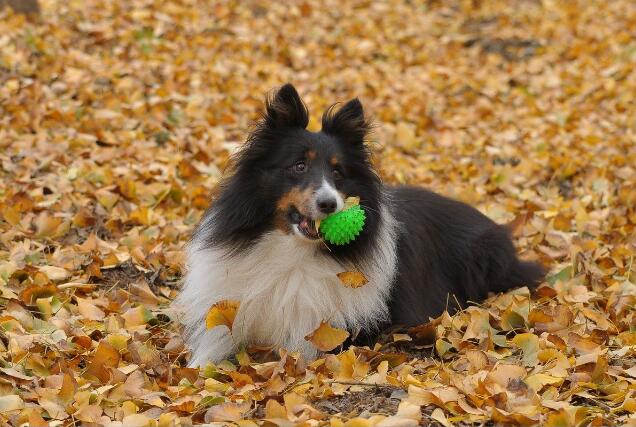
{"x": 300, "y": 167}
{"x": 337, "y": 174}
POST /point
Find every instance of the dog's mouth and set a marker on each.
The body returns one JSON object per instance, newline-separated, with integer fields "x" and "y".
{"x": 306, "y": 226}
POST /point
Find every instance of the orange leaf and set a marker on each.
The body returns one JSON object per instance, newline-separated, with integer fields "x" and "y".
{"x": 352, "y": 279}
{"x": 46, "y": 225}
{"x": 326, "y": 338}
{"x": 11, "y": 215}
{"x": 69, "y": 385}
{"x": 222, "y": 314}
{"x": 30, "y": 294}
{"x": 106, "y": 356}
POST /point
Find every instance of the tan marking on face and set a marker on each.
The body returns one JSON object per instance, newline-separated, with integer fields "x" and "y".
{"x": 311, "y": 154}
{"x": 281, "y": 223}
{"x": 300, "y": 199}
{"x": 333, "y": 161}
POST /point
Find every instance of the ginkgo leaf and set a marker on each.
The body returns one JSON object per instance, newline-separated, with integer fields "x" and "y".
{"x": 273, "y": 410}
{"x": 55, "y": 274}
{"x": 89, "y": 310}
{"x": 222, "y": 313}
{"x": 326, "y": 337}
{"x": 439, "y": 416}
{"x": 351, "y": 201}
{"x": 352, "y": 279}
{"x": 529, "y": 343}
{"x": 10, "y": 403}
{"x": 229, "y": 411}
{"x": 106, "y": 356}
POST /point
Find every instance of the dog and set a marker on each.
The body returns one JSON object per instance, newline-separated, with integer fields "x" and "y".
{"x": 258, "y": 243}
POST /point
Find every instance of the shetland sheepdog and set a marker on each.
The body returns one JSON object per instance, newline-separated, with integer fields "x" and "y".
{"x": 258, "y": 243}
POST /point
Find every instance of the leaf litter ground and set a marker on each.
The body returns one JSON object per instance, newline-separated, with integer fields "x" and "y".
{"x": 117, "y": 119}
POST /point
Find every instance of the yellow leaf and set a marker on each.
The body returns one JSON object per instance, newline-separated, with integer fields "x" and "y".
{"x": 352, "y": 279}
{"x": 351, "y": 202}
{"x": 46, "y": 225}
{"x": 106, "y": 198}
{"x": 326, "y": 338}
{"x": 243, "y": 358}
{"x": 10, "y": 403}
{"x": 222, "y": 314}
{"x": 529, "y": 344}
{"x": 273, "y": 409}
{"x": 537, "y": 381}
{"x": 442, "y": 347}
{"x": 68, "y": 389}
{"x": 582, "y": 345}
{"x": 120, "y": 342}
{"x": 128, "y": 189}
{"x": 630, "y": 405}
{"x": 11, "y": 215}
{"x": 562, "y": 418}
{"x": 402, "y": 337}
{"x": 438, "y": 415}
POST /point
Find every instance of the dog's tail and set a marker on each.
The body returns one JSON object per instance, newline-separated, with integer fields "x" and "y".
{"x": 501, "y": 267}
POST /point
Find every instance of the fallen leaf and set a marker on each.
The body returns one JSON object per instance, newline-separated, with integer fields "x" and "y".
{"x": 89, "y": 310}
{"x": 222, "y": 313}
{"x": 226, "y": 412}
{"x": 106, "y": 356}
{"x": 529, "y": 344}
{"x": 55, "y": 274}
{"x": 10, "y": 403}
{"x": 438, "y": 415}
{"x": 326, "y": 338}
{"x": 351, "y": 201}
{"x": 352, "y": 279}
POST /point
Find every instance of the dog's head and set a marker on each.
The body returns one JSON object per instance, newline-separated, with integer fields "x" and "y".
{"x": 287, "y": 177}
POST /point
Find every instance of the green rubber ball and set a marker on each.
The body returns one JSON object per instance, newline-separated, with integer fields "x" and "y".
{"x": 344, "y": 226}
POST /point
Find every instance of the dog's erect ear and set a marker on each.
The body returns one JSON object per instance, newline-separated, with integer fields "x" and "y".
{"x": 347, "y": 123}
{"x": 285, "y": 109}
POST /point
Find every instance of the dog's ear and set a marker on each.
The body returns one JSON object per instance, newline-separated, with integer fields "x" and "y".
{"x": 347, "y": 123}
{"x": 285, "y": 109}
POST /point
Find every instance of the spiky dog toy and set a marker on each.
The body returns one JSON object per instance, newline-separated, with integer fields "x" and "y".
{"x": 343, "y": 227}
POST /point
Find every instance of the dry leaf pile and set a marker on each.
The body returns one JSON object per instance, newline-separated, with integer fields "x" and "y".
{"x": 117, "y": 118}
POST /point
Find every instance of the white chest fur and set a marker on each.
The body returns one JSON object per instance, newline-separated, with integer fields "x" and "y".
{"x": 286, "y": 287}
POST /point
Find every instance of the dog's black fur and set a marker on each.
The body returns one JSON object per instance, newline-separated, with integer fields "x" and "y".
{"x": 444, "y": 247}
{"x": 449, "y": 248}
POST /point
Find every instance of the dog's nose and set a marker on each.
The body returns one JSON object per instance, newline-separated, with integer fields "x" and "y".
{"x": 327, "y": 205}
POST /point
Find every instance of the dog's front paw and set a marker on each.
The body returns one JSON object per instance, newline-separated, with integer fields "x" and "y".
{"x": 209, "y": 345}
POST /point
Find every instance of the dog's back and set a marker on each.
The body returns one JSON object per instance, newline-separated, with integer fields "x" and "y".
{"x": 448, "y": 250}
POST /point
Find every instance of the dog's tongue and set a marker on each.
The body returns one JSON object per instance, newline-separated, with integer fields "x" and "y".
{"x": 309, "y": 228}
